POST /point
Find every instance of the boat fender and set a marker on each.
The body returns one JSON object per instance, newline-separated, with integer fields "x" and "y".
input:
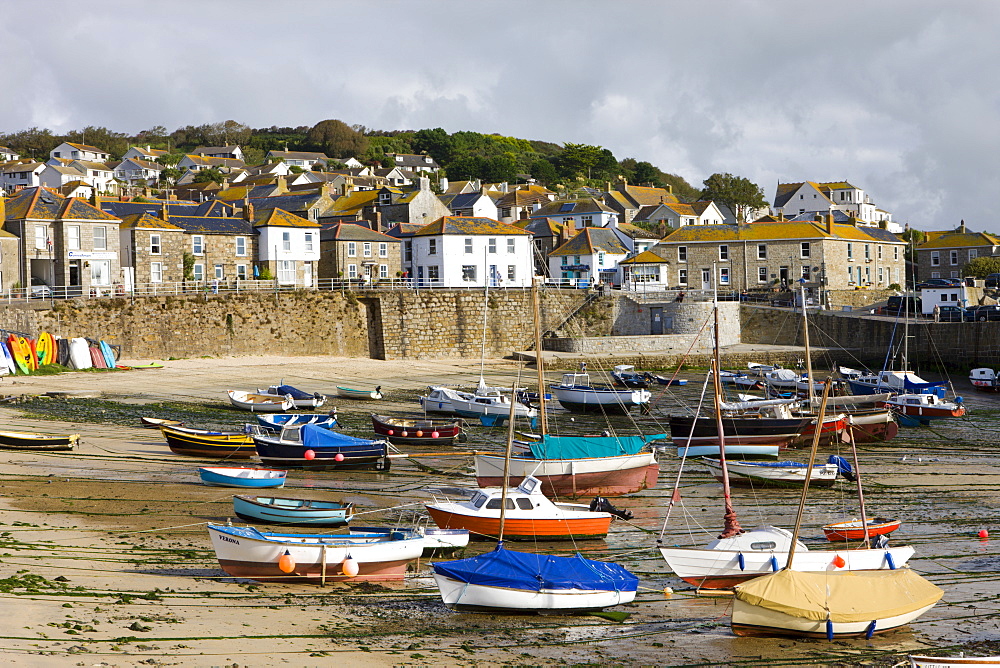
{"x": 870, "y": 631}
{"x": 829, "y": 629}
{"x": 843, "y": 467}
{"x": 350, "y": 567}
{"x": 743, "y": 562}
{"x": 889, "y": 560}
{"x": 774, "y": 563}
{"x": 286, "y": 564}
{"x": 602, "y": 505}
{"x": 959, "y": 400}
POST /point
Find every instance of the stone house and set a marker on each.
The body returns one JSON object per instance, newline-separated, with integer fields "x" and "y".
{"x": 9, "y": 262}
{"x": 65, "y": 242}
{"x": 152, "y": 248}
{"x": 456, "y": 251}
{"x": 519, "y": 204}
{"x": 827, "y": 255}
{"x": 592, "y": 255}
{"x": 418, "y": 205}
{"x": 349, "y": 251}
{"x": 627, "y": 200}
{"x": 944, "y": 254}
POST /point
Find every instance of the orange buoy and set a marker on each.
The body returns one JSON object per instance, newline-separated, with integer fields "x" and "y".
{"x": 286, "y": 564}
{"x": 419, "y": 433}
{"x": 838, "y": 561}
{"x": 350, "y": 567}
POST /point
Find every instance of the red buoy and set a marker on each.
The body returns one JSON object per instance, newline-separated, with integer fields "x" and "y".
{"x": 309, "y": 455}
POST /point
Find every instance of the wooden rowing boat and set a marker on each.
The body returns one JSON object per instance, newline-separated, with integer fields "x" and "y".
{"x": 418, "y": 431}
{"x": 210, "y": 444}
{"x": 260, "y": 403}
{"x": 17, "y": 440}
{"x": 851, "y": 530}
{"x": 156, "y": 423}
{"x": 292, "y": 512}
{"x": 364, "y": 395}
{"x": 231, "y": 476}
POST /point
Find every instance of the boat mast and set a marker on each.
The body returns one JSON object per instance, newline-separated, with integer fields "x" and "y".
{"x": 731, "y": 525}
{"x": 543, "y": 422}
{"x": 482, "y": 355}
{"x": 805, "y": 338}
{"x": 857, "y": 478}
{"x": 817, "y": 432}
{"x": 506, "y": 464}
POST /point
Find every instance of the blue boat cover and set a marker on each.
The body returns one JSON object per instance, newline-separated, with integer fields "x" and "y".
{"x": 295, "y": 392}
{"x": 315, "y": 437}
{"x": 533, "y": 572}
{"x": 580, "y": 447}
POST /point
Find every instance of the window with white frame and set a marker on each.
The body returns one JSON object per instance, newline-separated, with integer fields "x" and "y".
{"x": 850, "y": 251}
{"x": 286, "y": 272}
{"x": 850, "y": 275}
{"x": 682, "y": 276}
{"x": 352, "y": 249}
{"x": 468, "y": 245}
{"x": 241, "y": 272}
{"x": 407, "y": 251}
{"x": 973, "y": 254}
{"x": 352, "y": 271}
{"x": 682, "y": 254}
{"x": 953, "y": 257}
{"x": 878, "y": 252}
{"x": 241, "y": 246}
{"x": 432, "y": 246}
{"x": 433, "y": 272}
{"x": 154, "y": 244}
{"x": 309, "y": 242}
{"x": 587, "y": 221}
{"x": 762, "y": 274}
{"x": 469, "y": 273}
{"x": 511, "y": 272}
{"x": 155, "y": 272}
{"x": 868, "y": 274}
{"x": 600, "y": 258}
{"x": 40, "y": 237}
{"x": 383, "y": 249}
{"x": 895, "y": 252}
{"x": 935, "y": 274}
{"x": 804, "y": 250}
{"x": 198, "y": 245}
{"x": 366, "y": 249}
{"x": 724, "y": 252}
{"x": 761, "y": 251}
{"x": 868, "y": 252}
{"x": 935, "y": 258}
{"x": 219, "y": 272}
{"x": 383, "y": 271}
{"x": 100, "y": 238}
{"x": 880, "y": 274}
{"x": 724, "y": 276}
{"x": 286, "y": 241}
{"x": 511, "y": 248}
{"x": 198, "y": 270}
{"x": 100, "y": 272}
{"x": 491, "y": 245}
{"x": 73, "y": 237}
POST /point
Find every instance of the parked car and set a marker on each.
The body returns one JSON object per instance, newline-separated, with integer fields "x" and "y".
{"x": 941, "y": 283}
{"x": 39, "y": 290}
{"x": 983, "y": 313}
{"x": 992, "y": 281}
{"x": 951, "y": 314}
{"x": 899, "y": 305}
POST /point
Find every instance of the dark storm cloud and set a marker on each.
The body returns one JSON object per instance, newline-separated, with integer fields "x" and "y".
{"x": 898, "y": 97}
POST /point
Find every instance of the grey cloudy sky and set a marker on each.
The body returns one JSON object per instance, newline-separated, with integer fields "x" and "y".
{"x": 899, "y": 97}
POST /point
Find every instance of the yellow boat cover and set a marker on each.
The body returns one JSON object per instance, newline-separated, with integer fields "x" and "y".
{"x": 841, "y": 596}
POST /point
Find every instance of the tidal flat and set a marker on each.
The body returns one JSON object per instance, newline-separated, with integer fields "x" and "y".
{"x": 105, "y": 559}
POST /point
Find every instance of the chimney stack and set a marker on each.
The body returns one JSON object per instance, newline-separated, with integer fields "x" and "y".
{"x": 829, "y": 224}
{"x": 163, "y": 213}
{"x": 961, "y": 227}
{"x": 248, "y": 212}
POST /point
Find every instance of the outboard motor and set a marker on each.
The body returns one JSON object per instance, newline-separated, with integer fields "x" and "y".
{"x": 602, "y": 505}
{"x": 880, "y": 541}
{"x": 843, "y": 467}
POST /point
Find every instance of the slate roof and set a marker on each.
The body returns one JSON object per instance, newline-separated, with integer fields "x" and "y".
{"x": 404, "y": 230}
{"x": 637, "y": 232}
{"x": 280, "y": 218}
{"x": 525, "y": 196}
{"x": 288, "y": 202}
{"x": 591, "y": 240}
{"x": 147, "y": 221}
{"x": 214, "y": 149}
{"x": 151, "y": 153}
{"x": 540, "y": 227}
{"x": 411, "y": 160}
{"x": 215, "y": 162}
{"x": 46, "y": 204}
{"x": 353, "y": 202}
{"x": 213, "y": 225}
{"x": 146, "y": 164}
{"x": 462, "y": 201}
{"x": 470, "y": 225}
{"x": 642, "y": 195}
{"x": 95, "y": 166}
{"x": 18, "y": 167}
{"x": 573, "y": 207}
{"x": 352, "y": 232}
{"x": 298, "y": 155}
{"x": 777, "y": 231}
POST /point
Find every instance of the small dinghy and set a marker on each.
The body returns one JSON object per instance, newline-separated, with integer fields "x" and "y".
{"x": 260, "y": 403}
{"x": 300, "y": 398}
{"x": 17, "y": 440}
{"x": 960, "y": 661}
{"x": 418, "y": 431}
{"x": 277, "y": 421}
{"x": 156, "y": 423}
{"x": 782, "y": 474}
{"x": 313, "y": 447}
{"x": 851, "y": 530}
{"x": 206, "y": 443}
{"x": 292, "y": 512}
{"x": 437, "y": 541}
{"x": 363, "y": 395}
{"x": 230, "y": 476}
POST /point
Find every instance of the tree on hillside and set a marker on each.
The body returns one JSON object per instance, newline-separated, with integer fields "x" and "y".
{"x": 31, "y": 143}
{"x": 589, "y": 162}
{"x": 981, "y": 267}
{"x": 115, "y": 143}
{"x": 742, "y": 196}
{"x": 210, "y": 174}
{"x": 436, "y": 143}
{"x": 544, "y": 172}
{"x": 337, "y": 139}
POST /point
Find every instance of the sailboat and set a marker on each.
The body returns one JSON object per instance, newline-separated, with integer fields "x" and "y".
{"x": 509, "y": 581}
{"x": 574, "y": 466}
{"x": 738, "y": 555}
{"x": 834, "y": 604}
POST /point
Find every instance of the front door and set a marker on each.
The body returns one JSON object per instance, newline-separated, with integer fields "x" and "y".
{"x": 783, "y": 276}
{"x": 307, "y": 275}
{"x": 494, "y": 276}
{"x": 74, "y": 279}
{"x": 706, "y": 279}
{"x": 656, "y": 320}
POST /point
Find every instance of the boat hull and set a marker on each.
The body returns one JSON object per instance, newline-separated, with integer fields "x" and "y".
{"x": 247, "y": 478}
{"x": 847, "y": 531}
{"x": 741, "y": 473}
{"x": 274, "y": 452}
{"x": 210, "y": 445}
{"x": 720, "y": 569}
{"x": 596, "y": 400}
{"x": 459, "y": 595}
{"x": 873, "y": 426}
{"x": 573, "y": 478}
{"x": 753, "y": 620}
{"x": 12, "y": 440}
{"x": 361, "y": 395}
{"x": 523, "y": 529}
{"x": 684, "y": 430}
{"x": 417, "y": 431}
{"x": 378, "y": 559}
{"x": 291, "y": 512}
{"x": 748, "y": 450}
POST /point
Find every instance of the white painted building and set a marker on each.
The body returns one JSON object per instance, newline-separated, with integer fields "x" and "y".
{"x": 590, "y": 256}
{"x": 70, "y": 151}
{"x": 456, "y": 251}
{"x": 289, "y": 245}
{"x": 302, "y": 159}
{"x": 17, "y": 175}
{"x": 795, "y": 199}
{"x": 136, "y": 170}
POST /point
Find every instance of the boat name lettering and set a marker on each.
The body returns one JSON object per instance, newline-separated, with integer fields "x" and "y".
{"x": 230, "y": 540}
{"x": 766, "y": 545}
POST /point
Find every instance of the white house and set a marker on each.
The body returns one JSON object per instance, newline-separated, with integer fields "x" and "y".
{"x": 228, "y": 152}
{"x": 808, "y": 197}
{"x": 414, "y": 163}
{"x": 302, "y": 159}
{"x": 56, "y": 176}
{"x": 96, "y": 174}
{"x": 136, "y": 170}
{"x": 6, "y": 154}
{"x": 475, "y": 204}
{"x": 144, "y": 153}
{"x": 71, "y": 151}
{"x": 578, "y": 213}
{"x": 677, "y": 214}
{"x": 288, "y": 245}
{"x": 191, "y": 163}
{"x": 592, "y": 255}
{"x": 17, "y": 175}
{"x": 456, "y": 251}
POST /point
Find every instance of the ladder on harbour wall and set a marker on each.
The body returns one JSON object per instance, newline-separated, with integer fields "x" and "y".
{"x": 591, "y": 298}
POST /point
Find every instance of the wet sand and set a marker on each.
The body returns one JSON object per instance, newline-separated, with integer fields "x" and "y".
{"x": 105, "y": 560}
